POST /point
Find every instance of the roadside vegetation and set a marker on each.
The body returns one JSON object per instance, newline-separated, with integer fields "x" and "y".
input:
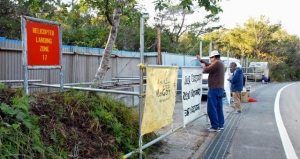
{"x": 66, "y": 125}
{"x": 73, "y": 124}
{"x": 257, "y": 39}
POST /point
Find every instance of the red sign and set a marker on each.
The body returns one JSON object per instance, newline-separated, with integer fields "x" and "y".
{"x": 42, "y": 44}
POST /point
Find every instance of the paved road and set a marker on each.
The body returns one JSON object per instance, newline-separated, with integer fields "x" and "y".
{"x": 257, "y": 135}
{"x": 290, "y": 113}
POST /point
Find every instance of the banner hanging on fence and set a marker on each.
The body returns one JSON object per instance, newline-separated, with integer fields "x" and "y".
{"x": 191, "y": 93}
{"x": 160, "y": 98}
{"x": 227, "y": 85}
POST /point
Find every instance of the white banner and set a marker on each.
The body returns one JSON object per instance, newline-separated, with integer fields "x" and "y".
{"x": 191, "y": 93}
{"x": 227, "y": 85}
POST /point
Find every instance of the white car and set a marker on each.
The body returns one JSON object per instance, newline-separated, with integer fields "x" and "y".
{"x": 195, "y": 62}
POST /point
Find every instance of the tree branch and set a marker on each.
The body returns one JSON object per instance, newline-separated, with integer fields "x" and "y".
{"x": 107, "y": 13}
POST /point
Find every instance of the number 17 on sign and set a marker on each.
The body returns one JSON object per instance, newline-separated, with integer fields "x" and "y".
{"x": 44, "y": 57}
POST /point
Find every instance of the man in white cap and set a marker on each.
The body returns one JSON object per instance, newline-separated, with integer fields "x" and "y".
{"x": 216, "y": 72}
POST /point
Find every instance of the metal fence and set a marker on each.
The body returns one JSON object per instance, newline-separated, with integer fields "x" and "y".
{"x": 79, "y": 64}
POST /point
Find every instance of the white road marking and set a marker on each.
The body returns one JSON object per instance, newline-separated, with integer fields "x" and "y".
{"x": 285, "y": 139}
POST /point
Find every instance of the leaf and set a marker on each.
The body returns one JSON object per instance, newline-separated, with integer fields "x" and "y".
{"x": 38, "y": 148}
{"x": 16, "y": 111}
{"x": 53, "y": 136}
{"x": 22, "y": 103}
{"x": 28, "y": 124}
{"x": 6, "y": 109}
{"x": 21, "y": 116}
{"x": 2, "y": 86}
{"x": 15, "y": 126}
{"x": 4, "y": 130}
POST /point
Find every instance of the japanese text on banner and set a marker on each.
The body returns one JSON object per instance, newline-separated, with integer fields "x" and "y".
{"x": 191, "y": 93}
{"x": 160, "y": 98}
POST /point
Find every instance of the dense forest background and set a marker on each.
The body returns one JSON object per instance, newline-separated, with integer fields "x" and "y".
{"x": 257, "y": 39}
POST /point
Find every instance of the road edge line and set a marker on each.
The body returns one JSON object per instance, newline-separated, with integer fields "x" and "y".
{"x": 285, "y": 139}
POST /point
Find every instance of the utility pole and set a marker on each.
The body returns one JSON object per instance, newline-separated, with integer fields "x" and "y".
{"x": 158, "y": 46}
{"x": 200, "y": 49}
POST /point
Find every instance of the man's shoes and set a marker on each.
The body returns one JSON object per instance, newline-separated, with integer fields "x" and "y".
{"x": 221, "y": 128}
{"x": 213, "y": 130}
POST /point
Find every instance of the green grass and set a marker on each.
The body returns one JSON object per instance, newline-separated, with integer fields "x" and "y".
{"x": 61, "y": 124}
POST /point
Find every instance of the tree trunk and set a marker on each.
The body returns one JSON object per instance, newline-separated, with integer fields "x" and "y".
{"x": 103, "y": 68}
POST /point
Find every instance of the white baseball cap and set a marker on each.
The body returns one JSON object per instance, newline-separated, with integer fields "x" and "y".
{"x": 214, "y": 53}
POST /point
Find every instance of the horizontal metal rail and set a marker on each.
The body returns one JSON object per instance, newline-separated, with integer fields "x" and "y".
{"x": 66, "y": 84}
{"x": 134, "y": 78}
{"x": 18, "y": 81}
{"x": 88, "y": 83}
{"x": 180, "y": 67}
{"x": 78, "y": 53}
{"x": 88, "y": 89}
{"x": 162, "y": 137}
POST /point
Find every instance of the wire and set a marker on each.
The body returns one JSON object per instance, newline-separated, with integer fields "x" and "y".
{"x": 134, "y": 56}
{"x": 192, "y": 48}
{"x": 126, "y": 64}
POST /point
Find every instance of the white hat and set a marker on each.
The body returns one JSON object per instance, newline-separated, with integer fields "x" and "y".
{"x": 214, "y": 53}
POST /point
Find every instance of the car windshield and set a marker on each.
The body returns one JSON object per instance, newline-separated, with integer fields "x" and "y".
{"x": 225, "y": 63}
{"x": 195, "y": 62}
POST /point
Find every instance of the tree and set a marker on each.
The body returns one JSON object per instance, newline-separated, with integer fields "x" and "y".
{"x": 209, "y": 5}
{"x": 112, "y": 10}
{"x": 261, "y": 32}
{"x": 261, "y": 41}
{"x": 200, "y": 28}
{"x": 79, "y": 25}
{"x": 129, "y": 32}
{"x": 236, "y": 42}
{"x": 11, "y": 10}
{"x": 9, "y": 20}
{"x": 174, "y": 18}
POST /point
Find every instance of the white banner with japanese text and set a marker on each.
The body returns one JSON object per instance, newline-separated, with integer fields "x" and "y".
{"x": 191, "y": 93}
{"x": 227, "y": 86}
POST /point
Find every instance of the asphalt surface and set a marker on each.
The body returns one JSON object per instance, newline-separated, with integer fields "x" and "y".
{"x": 189, "y": 142}
{"x": 257, "y": 133}
{"x": 255, "y": 136}
{"x": 290, "y": 110}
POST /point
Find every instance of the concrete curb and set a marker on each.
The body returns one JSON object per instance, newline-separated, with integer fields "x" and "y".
{"x": 199, "y": 153}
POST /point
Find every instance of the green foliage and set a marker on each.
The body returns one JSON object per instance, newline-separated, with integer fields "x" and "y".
{"x": 209, "y": 5}
{"x": 19, "y": 131}
{"x": 57, "y": 125}
{"x": 2, "y": 86}
{"x": 11, "y": 11}
{"x": 259, "y": 40}
{"x": 182, "y": 36}
{"x": 86, "y": 23}
{"x": 109, "y": 113}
